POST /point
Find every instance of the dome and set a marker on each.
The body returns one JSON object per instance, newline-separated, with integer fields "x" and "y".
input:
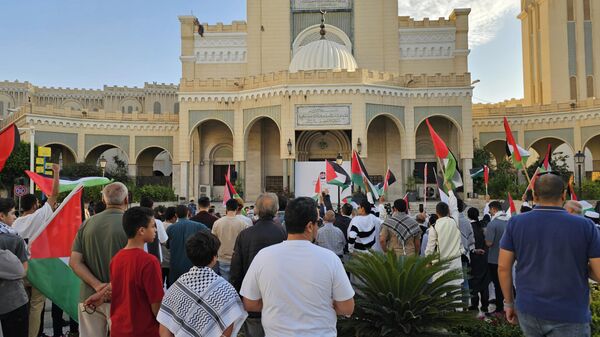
{"x": 323, "y": 55}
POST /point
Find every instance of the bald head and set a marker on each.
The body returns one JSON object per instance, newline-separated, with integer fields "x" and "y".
{"x": 267, "y": 205}
{"x": 329, "y": 216}
{"x": 574, "y": 207}
{"x": 549, "y": 188}
{"x": 115, "y": 194}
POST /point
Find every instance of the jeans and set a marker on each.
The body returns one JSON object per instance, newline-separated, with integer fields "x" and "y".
{"x": 253, "y": 327}
{"x": 497, "y": 288}
{"x": 16, "y": 322}
{"x": 224, "y": 269}
{"x": 535, "y": 327}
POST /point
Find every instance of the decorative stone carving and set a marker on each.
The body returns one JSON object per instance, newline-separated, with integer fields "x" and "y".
{"x": 323, "y": 116}
{"x": 432, "y": 43}
{"x": 221, "y": 48}
{"x": 322, "y": 4}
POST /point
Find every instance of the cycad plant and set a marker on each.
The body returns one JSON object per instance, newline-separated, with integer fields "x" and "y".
{"x": 395, "y": 296}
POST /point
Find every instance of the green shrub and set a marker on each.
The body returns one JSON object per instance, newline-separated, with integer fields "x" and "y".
{"x": 80, "y": 170}
{"x": 595, "y": 309}
{"x": 496, "y": 326}
{"x": 155, "y": 192}
{"x": 395, "y": 298}
{"x": 591, "y": 190}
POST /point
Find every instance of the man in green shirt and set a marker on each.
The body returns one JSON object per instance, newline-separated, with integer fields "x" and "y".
{"x": 97, "y": 241}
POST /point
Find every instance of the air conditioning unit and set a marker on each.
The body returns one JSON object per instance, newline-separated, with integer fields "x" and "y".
{"x": 204, "y": 191}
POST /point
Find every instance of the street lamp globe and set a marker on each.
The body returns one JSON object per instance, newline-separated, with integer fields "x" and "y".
{"x": 579, "y": 158}
{"x": 102, "y": 162}
{"x": 339, "y": 160}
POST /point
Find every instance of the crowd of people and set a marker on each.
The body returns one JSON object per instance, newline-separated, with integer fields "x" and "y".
{"x": 276, "y": 268}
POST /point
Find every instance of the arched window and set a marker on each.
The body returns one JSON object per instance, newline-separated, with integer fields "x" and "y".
{"x": 157, "y": 107}
{"x": 570, "y": 11}
{"x": 176, "y": 108}
{"x": 123, "y": 109}
{"x": 587, "y": 14}
{"x": 129, "y": 109}
{"x": 1, "y": 108}
{"x": 590, "y": 87}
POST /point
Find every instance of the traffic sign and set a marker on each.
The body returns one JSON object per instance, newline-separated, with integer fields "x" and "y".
{"x": 20, "y": 190}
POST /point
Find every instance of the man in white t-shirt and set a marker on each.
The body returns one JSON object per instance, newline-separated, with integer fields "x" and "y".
{"x": 299, "y": 287}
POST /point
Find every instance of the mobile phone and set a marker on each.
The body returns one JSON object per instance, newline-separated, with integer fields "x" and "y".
{"x": 421, "y": 209}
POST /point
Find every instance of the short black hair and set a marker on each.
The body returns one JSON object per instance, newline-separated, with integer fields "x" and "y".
{"x": 497, "y": 205}
{"x": 136, "y": 218}
{"x": 170, "y": 213}
{"x": 6, "y": 205}
{"x": 473, "y": 213}
{"x": 28, "y": 201}
{"x": 298, "y": 213}
{"x": 347, "y": 209}
{"x": 182, "y": 211}
{"x": 432, "y": 219}
{"x": 146, "y": 201}
{"x": 442, "y": 209}
{"x": 204, "y": 202}
{"x": 99, "y": 207}
{"x": 202, "y": 247}
{"x": 366, "y": 205}
{"x": 549, "y": 187}
{"x": 231, "y": 205}
{"x": 460, "y": 204}
{"x": 400, "y": 205}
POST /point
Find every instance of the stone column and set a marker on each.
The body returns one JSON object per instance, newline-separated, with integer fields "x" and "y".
{"x": 184, "y": 180}
{"x": 467, "y": 181}
{"x": 292, "y": 176}
{"x": 285, "y": 163}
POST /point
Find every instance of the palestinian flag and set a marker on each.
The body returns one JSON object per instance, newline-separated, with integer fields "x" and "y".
{"x": 229, "y": 191}
{"x": 317, "y": 188}
{"x": 511, "y": 204}
{"x": 486, "y": 174}
{"x": 389, "y": 179}
{"x": 49, "y": 269}
{"x": 443, "y": 196}
{"x": 572, "y": 189}
{"x": 336, "y": 175}
{"x": 477, "y": 172}
{"x": 45, "y": 183}
{"x": 517, "y": 154}
{"x": 9, "y": 141}
{"x": 451, "y": 171}
{"x": 347, "y": 200}
{"x": 360, "y": 178}
{"x": 546, "y": 164}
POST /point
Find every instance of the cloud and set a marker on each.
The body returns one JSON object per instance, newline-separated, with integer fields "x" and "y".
{"x": 484, "y": 20}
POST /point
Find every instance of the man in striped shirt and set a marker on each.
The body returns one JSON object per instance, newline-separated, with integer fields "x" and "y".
{"x": 364, "y": 230}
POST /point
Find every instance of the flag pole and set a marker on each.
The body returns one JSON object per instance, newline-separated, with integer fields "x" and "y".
{"x": 525, "y": 170}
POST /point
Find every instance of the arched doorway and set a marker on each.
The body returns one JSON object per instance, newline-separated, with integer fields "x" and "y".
{"x": 539, "y": 148}
{"x": 154, "y": 166}
{"x": 592, "y": 156}
{"x": 264, "y": 166}
{"x": 384, "y": 150}
{"x": 113, "y": 154}
{"x": 322, "y": 145}
{"x": 62, "y": 154}
{"x": 450, "y": 133}
{"x": 212, "y": 146}
{"x": 498, "y": 150}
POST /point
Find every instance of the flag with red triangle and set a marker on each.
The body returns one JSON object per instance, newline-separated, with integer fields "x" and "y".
{"x": 229, "y": 191}
{"x": 336, "y": 175}
{"x": 388, "y": 180}
{"x": 451, "y": 171}
{"x": 360, "y": 178}
{"x": 511, "y": 203}
{"x": 9, "y": 141}
{"x": 517, "y": 154}
{"x": 49, "y": 269}
{"x": 572, "y": 189}
{"x": 45, "y": 183}
{"x": 317, "y": 188}
{"x": 546, "y": 163}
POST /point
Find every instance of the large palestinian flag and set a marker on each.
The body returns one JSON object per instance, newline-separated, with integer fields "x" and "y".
{"x": 360, "y": 178}
{"x": 517, "y": 154}
{"x": 451, "y": 171}
{"x": 336, "y": 175}
{"x": 9, "y": 140}
{"x": 49, "y": 269}
{"x": 45, "y": 183}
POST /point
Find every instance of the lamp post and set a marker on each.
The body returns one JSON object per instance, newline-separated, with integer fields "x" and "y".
{"x": 358, "y": 146}
{"x": 102, "y": 163}
{"x": 580, "y": 160}
{"x": 339, "y": 160}
{"x": 289, "y": 147}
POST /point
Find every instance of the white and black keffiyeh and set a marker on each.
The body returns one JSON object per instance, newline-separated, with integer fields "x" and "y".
{"x": 201, "y": 304}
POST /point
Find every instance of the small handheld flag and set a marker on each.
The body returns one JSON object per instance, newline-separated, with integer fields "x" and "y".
{"x": 451, "y": 172}
{"x": 9, "y": 141}
{"x": 336, "y": 175}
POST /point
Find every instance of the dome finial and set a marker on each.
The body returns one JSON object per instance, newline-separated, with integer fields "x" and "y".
{"x": 323, "y": 24}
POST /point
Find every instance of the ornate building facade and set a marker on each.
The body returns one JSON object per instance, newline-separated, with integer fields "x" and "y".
{"x": 278, "y": 89}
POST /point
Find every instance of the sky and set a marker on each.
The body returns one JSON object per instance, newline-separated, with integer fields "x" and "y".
{"x": 90, "y": 43}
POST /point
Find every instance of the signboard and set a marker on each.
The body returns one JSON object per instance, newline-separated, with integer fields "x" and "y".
{"x": 39, "y": 161}
{"x": 323, "y": 117}
{"x": 39, "y": 169}
{"x": 322, "y": 4}
{"x": 20, "y": 190}
{"x": 306, "y": 177}
{"x": 44, "y": 151}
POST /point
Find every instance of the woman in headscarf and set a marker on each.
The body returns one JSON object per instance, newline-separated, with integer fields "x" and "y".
{"x": 201, "y": 303}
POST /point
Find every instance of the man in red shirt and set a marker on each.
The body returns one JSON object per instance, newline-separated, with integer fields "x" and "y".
{"x": 136, "y": 279}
